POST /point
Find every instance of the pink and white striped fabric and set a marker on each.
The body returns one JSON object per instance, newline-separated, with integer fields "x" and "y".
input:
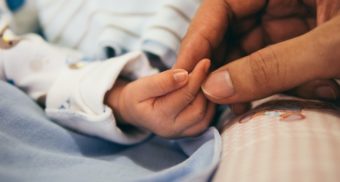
{"x": 282, "y": 141}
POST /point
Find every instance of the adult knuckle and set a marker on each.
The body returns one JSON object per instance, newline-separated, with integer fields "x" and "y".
{"x": 258, "y": 67}
{"x": 207, "y": 40}
{"x": 265, "y": 69}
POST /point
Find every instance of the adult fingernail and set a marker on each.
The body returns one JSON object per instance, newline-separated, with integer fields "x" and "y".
{"x": 180, "y": 75}
{"x": 326, "y": 92}
{"x": 218, "y": 85}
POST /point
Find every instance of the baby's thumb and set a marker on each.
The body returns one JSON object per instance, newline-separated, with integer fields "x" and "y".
{"x": 161, "y": 84}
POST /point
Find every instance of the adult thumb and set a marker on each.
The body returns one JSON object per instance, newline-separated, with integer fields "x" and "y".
{"x": 160, "y": 84}
{"x": 277, "y": 68}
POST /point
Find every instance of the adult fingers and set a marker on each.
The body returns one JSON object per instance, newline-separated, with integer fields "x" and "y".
{"x": 318, "y": 89}
{"x": 205, "y": 33}
{"x": 209, "y": 26}
{"x": 278, "y": 67}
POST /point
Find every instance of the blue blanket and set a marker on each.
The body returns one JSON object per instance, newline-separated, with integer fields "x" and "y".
{"x": 33, "y": 148}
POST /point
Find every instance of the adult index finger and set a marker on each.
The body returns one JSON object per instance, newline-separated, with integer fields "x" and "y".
{"x": 209, "y": 27}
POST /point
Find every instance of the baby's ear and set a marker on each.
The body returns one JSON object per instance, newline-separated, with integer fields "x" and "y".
{"x": 160, "y": 84}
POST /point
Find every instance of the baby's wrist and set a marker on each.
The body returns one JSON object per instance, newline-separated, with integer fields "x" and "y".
{"x": 112, "y": 99}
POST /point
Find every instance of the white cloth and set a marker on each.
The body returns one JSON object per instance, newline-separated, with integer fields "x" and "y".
{"x": 76, "y": 98}
{"x": 74, "y": 88}
{"x": 155, "y": 26}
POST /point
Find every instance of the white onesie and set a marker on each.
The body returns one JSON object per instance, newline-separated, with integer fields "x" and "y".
{"x": 74, "y": 86}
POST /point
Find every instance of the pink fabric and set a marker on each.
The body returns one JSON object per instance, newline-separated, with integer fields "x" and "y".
{"x": 282, "y": 140}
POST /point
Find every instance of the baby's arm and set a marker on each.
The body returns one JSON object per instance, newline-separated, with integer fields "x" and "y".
{"x": 169, "y": 104}
{"x": 74, "y": 87}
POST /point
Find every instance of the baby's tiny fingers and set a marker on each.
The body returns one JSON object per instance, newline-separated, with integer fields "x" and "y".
{"x": 202, "y": 125}
{"x": 180, "y": 98}
{"x": 192, "y": 114}
{"x": 160, "y": 84}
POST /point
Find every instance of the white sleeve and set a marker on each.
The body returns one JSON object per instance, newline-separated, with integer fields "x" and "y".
{"x": 33, "y": 65}
{"x": 76, "y": 98}
{"x": 74, "y": 87}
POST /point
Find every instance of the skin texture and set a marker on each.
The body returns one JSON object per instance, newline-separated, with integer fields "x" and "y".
{"x": 165, "y": 104}
{"x": 266, "y": 47}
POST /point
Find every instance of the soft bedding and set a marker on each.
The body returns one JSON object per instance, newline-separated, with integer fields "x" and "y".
{"x": 33, "y": 148}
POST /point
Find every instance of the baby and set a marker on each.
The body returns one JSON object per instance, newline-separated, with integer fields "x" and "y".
{"x": 169, "y": 104}
{"x": 98, "y": 98}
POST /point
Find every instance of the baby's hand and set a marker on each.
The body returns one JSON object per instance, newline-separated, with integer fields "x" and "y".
{"x": 169, "y": 104}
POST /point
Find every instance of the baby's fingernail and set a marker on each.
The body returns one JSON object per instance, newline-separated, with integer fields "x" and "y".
{"x": 180, "y": 75}
{"x": 207, "y": 65}
{"x": 326, "y": 92}
{"x": 218, "y": 85}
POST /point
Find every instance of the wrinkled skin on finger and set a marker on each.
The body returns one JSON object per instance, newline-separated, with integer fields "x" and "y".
{"x": 256, "y": 24}
{"x": 226, "y": 30}
{"x": 229, "y": 29}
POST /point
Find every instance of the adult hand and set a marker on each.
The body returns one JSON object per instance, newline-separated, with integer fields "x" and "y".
{"x": 224, "y": 30}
